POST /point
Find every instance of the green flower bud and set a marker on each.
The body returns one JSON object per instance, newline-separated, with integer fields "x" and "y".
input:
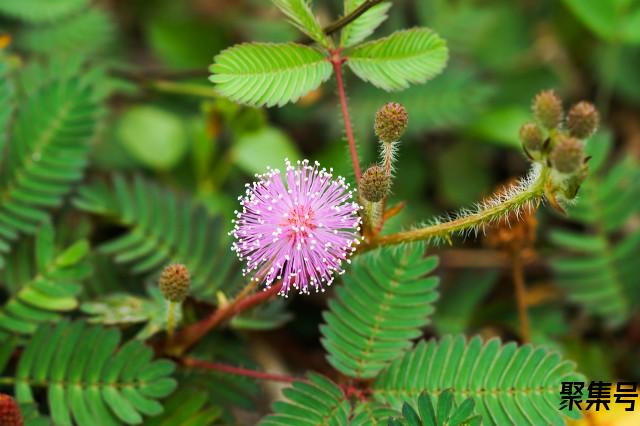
{"x": 374, "y": 184}
{"x": 531, "y": 137}
{"x": 582, "y": 120}
{"x": 9, "y": 412}
{"x": 391, "y": 122}
{"x": 547, "y": 108}
{"x": 568, "y": 155}
{"x": 174, "y": 282}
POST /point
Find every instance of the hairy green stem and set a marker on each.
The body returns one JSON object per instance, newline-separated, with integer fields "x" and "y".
{"x": 171, "y": 319}
{"x": 532, "y": 193}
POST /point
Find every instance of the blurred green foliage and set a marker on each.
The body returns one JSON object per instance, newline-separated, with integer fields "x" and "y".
{"x": 145, "y": 111}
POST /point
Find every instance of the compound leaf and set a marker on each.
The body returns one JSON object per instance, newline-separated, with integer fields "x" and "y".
{"x": 316, "y": 402}
{"x": 162, "y": 229}
{"x": 383, "y": 304}
{"x": 596, "y": 268}
{"x": 509, "y": 384}
{"x": 88, "y": 377}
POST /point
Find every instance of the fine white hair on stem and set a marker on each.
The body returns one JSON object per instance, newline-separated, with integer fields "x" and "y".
{"x": 523, "y": 195}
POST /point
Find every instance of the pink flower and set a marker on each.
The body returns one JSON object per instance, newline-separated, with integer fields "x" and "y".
{"x": 298, "y": 229}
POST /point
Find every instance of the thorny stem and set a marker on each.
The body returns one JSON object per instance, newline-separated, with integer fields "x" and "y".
{"x": 347, "y": 389}
{"x": 190, "y": 335}
{"x": 518, "y": 281}
{"x": 347, "y": 19}
{"x": 534, "y": 193}
{"x": 336, "y": 61}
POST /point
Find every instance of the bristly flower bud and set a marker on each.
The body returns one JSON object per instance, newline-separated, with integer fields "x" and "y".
{"x": 391, "y": 122}
{"x": 547, "y": 107}
{"x": 175, "y": 282}
{"x": 568, "y": 155}
{"x": 531, "y": 137}
{"x": 374, "y": 184}
{"x": 9, "y": 412}
{"x": 582, "y": 120}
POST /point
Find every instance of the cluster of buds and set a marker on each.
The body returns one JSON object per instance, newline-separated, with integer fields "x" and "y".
{"x": 390, "y": 123}
{"x": 558, "y": 142}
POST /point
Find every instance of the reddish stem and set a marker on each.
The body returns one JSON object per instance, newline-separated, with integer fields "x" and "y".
{"x": 336, "y": 61}
{"x": 191, "y": 334}
{"x": 347, "y": 390}
{"x": 238, "y": 371}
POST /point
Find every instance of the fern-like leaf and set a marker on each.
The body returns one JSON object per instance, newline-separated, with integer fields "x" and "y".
{"x": 40, "y": 10}
{"x": 384, "y": 302}
{"x": 597, "y": 268}
{"x": 365, "y": 24}
{"x": 47, "y": 154}
{"x": 444, "y": 413}
{"x": 88, "y": 377}
{"x": 187, "y": 406}
{"x": 86, "y": 33}
{"x": 301, "y": 16}
{"x": 404, "y": 57}
{"x": 42, "y": 288}
{"x": 316, "y": 402}
{"x": 269, "y": 74}
{"x": 7, "y": 100}
{"x": 124, "y": 309}
{"x": 509, "y": 384}
{"x": 163, "y": 228}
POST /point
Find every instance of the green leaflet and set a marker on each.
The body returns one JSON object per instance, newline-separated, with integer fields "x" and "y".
{"x": 44, "y": 283}
{"x": 365, "y": 24}
{"x": 371, "y": 413}
{"x": 47, "y": 154}
{"x": 404, "y": 57}
{"x": 499, "y": 377}
{"x": 88, "y": 377}
{"x": 384, "y": 302}
{"x": 162, "y": 229}
{"x": 187, "y": 406}
{"x": 444, "y": 413}
{"x": 597, "y": 268}
{"x": 300, "y": 15}
{"x": 316, "y": 402}
{"x": 40, "y": 10}
{"x": 269, "y": 74}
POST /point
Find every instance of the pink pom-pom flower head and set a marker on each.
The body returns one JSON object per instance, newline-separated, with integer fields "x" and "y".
{"x": 298, "y": 228}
